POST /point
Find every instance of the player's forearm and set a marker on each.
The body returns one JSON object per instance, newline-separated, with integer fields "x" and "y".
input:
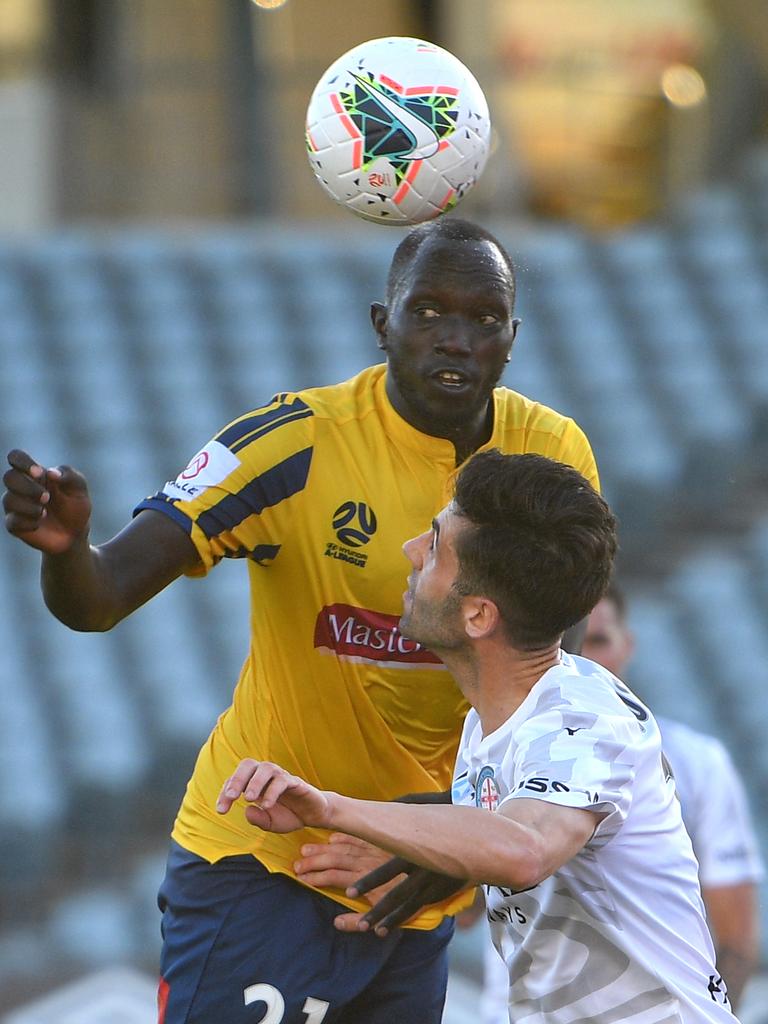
{"x": 75, "y": 588}
{"x": 92, "y": 588}
{"x": 736, "y": 966}
{"x": 733, "y": 917}
{"x": 465, "y": 842}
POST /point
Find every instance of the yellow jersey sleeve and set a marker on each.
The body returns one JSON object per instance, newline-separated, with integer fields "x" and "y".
{"x": 574, "y": 450}
{"x": 523, "y": 425}
{"x": 233, "y": 497}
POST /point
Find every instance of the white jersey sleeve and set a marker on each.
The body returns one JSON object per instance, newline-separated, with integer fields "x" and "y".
{"x": 714, "y": 806}
{"x": 577, "y": 759}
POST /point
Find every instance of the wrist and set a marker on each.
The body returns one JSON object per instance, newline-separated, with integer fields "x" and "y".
{"x": 335, "y": 810}
{"x": 78, "y": 547}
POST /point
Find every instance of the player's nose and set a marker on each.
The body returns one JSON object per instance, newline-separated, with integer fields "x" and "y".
{"x": 455, "y": 339}
{"x": 412, "y": 550}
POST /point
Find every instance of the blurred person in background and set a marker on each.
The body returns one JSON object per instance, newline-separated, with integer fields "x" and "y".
{"x": 317, "y": 492}
{"x": 716, "y": 815}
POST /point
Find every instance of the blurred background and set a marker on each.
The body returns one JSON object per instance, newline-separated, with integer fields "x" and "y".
{"x": 168, "y": 262}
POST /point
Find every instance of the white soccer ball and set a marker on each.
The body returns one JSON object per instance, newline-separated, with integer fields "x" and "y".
{"x": 398, "y": 130}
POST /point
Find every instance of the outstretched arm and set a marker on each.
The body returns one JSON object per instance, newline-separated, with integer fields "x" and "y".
{"x": 88, "y": 587}
{"x": 518, "y": 846}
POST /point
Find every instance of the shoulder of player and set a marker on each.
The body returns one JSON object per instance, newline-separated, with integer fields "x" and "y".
{"x": 291, "y": 419}
{"x": 522, "y": 413}
{"x": 567, "y": 695}
{"x": 351, "y": 399}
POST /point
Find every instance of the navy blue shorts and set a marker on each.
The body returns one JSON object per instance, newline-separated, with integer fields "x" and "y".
{"x": 243, "y": 946}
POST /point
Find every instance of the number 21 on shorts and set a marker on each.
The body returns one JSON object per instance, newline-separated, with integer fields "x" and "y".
{"x": 315, "y": 1009}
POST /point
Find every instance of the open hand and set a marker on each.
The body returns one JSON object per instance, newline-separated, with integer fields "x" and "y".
{"x": 279, "y": 801}
{"x": 339, "y": 863}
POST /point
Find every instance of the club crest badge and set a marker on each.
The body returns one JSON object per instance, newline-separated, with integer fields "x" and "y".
{"x": 486, "y": 790}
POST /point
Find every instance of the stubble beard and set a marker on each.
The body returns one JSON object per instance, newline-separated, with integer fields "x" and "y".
{"x": 436, "y": 627}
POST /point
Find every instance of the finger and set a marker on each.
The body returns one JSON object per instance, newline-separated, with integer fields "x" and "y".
{"x": 24, "y": 462}
{"x": 276, "y": 787}
{"x": 432, "y": 887}
{"x": 269, "y": 782}
{"x": 342, "y": 837}
{"x": 351, "y": 922}
{"x": 235, "y": 785}
{"x": 23, "y": 515}
{"x": 379, "y": 876}
{"x": 66, "y": 480}
{"x": 400, "y": 915}
{"x": 23, "y": 485}
{"x": 394, "y": 896}
{"x": 398, "y": 906}
{"x": 358, "y": 851}
{"x": 259, "y": 817}
{"x": 351, "y": 858}
{"x": 326, "y": 861}
{"x": 331, "y": 878}
{"x": 23, "y": 502}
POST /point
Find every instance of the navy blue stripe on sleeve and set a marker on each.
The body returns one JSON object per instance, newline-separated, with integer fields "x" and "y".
{"x": 268, "y": 427}
{"x": 261, "y": 554}
{"x": 251, "y": 426}
{"x": 162, "y": 503}
{"x": 273, "y": 486}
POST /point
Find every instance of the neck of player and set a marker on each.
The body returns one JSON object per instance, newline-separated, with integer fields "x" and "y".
{"x": 466, "y": 435}
{"x": 496, "y": 678}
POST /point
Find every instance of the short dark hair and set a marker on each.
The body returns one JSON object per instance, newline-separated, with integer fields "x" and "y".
{"x": 442, "y": 229}
{"x": 541, "y": 546}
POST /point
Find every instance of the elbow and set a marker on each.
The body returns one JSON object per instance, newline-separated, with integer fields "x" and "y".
{"x": 527, "y": 876}
{"x": 82, "y": 620}
{"x": 525, "y": 868}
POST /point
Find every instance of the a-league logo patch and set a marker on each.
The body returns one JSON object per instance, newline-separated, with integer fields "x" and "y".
{"x": 486, "y": 790}
{"x": 354, "y": 523}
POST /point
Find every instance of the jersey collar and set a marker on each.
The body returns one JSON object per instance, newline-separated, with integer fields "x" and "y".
{"x": 438, "y": 448}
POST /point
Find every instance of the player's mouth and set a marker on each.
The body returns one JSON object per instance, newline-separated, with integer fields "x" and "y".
{"x": 451, "y": 380}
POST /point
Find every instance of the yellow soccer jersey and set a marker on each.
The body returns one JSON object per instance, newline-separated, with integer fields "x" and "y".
{"x": 318, "y": 491}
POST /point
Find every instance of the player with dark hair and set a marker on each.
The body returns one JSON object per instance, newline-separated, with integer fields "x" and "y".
{"x": 316, "y": 491}
{"x": 715, "y": 812}
{"x": 569, "y": 817}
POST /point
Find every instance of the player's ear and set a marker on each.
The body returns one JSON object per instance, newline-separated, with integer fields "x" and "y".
{"x": 516, "y": 321}
{"x": 481, "y": 617}
{"x": 379, "y": 321}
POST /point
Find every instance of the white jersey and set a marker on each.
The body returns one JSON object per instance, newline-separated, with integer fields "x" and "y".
{"x": 617, "y": 933}
{"x": 714, "y": 804}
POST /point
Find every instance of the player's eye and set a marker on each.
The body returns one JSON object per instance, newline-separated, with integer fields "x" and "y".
{"x": 488, "y": 319}
{"x": 426, "y": 312}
